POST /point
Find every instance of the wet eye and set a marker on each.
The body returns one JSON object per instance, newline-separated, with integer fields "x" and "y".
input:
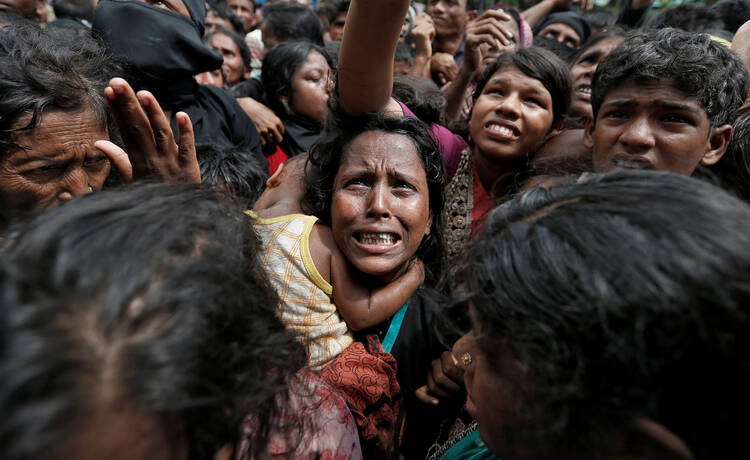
{"x": 676, "y": 119}
{"x": 96, "y": 161}
{"x": 354, "y": 183}
{"x": 615, "y": 114}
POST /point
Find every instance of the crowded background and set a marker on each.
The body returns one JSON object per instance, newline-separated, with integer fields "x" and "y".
{"x": 387, "y": 229}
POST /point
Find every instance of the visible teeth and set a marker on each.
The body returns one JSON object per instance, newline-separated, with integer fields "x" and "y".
{"x": 377, "y": 238}
{"x": 502, "y": 130}
{"x": 584, "y": 89}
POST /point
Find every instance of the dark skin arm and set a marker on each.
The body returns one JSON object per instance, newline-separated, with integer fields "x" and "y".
{"x": 358, "y": 305}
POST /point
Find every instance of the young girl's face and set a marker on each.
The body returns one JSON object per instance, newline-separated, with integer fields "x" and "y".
{"x": 512, "y": 116}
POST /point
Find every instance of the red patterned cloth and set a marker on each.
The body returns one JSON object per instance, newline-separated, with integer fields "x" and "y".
{"x": 365, "y": 376}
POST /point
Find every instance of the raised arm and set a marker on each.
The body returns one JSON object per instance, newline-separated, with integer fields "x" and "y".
{"x": 363, "y": 308}
{"x": 365, "y": 74}
{"x": 535, "y": 14}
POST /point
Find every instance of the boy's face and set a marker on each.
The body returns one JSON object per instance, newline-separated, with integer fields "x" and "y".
{"x": 653, "y": 126}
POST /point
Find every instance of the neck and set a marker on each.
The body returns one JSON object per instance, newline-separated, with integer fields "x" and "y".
{"x": 447, "y": 43}
{"x": 496, "y": 176}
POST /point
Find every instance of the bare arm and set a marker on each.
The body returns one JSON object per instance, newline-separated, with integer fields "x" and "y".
{"x": 488, "y": 30}
{"x": 365, "y": 75}
{"x": 362, "y": 308}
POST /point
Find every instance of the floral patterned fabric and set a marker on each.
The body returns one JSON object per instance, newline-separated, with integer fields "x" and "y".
{"x": 328, "y": 428}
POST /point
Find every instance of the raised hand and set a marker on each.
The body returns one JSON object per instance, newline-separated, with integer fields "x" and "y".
{"x": 152, "y": 152}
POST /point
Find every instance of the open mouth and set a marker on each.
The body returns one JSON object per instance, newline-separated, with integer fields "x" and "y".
{"x": 502, "y": 130}
{"x": 377, "y": 239}
{"x": 584, "y": 90}
{"x": 632, "y": 163}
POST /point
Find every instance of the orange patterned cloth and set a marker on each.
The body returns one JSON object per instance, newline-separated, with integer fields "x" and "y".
{"x": 365, "y": 376}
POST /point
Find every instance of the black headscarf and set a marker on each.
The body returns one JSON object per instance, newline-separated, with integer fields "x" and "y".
{"x": 569, "y": 18}
{"x": 163, "y": 51}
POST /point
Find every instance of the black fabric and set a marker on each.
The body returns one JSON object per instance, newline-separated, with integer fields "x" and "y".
{"x": 570, "y": 18}
{"x": 162, "y": 51}
{"x": 416, "y": 346}
{"x": 300, "y": 134}
{"x": 632, "y": 17}
{"x": 252, "y": 88}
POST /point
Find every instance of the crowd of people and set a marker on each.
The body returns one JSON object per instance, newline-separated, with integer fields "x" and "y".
{"x": 452, "y": 229}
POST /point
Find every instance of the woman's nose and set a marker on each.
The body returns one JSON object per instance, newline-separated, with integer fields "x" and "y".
{"x": 379, "y": 205}
{"x": 510, "y": 106}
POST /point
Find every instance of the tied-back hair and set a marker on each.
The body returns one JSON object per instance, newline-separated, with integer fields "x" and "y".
{"x": 325, "y": 159}
{"x": 151, "y": 297}
{"x": 621, "y": 298}
{"x": 50, "y": 69}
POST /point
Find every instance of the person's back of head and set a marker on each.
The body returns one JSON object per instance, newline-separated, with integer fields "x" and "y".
{"x": 557, "y": 48}
{"x": 689, "y": 17}
{"x": 734, "y": 13}
{"x": 292, "y": 21}
{"x": 235, "y": 171}
{"x": 613, "y": 317}
{"x": 149, "y": 331}
{"x": 422, "y": 96}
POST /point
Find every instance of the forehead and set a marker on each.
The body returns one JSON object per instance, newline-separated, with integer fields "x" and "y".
{"x": 376, "y": 149}
{"x": 246, "y": 3}
{"x": 315, "y": 60}
{"x": 559, "y": 27}
{"x": 510, "y": 75}
{"x": 220, "y": 40}
{"x": 604, "y": 46}
{"x": 57, "y": 130}
{"x": 651, "y": 94}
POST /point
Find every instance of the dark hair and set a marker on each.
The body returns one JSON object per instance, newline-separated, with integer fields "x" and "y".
{"x": 599, "y": 18}
{"x": 237, "y": 40}
{"x": 702, "y": 69}
{"x": 325, "y": 159}
{"x": 733, "y": 13}
{"x": 279, "y": 66}
{"x": 689, "y": 17}
{"x": 51, "y": 69}
{"x": 220, "y": 9}
{"x": 609, "y": 32}
{"x": 475, "y": 5}
{"x": 422, "y": 96}
{"x": 292, "y": 21}
{"x": 555, "y": 47}
{"x": 337, "y": 7}
{"x": 153, "y": 293}
{"x": 624, "y": 297}
{"x": 732, "y": 171}
{"x": 75, "y": 9}
{"x": 237, "y": 170}
{"x": 541, "y": 65}
{"x": 404, "y": 53}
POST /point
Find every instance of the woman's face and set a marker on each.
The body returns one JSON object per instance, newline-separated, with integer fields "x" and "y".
{"x": 233, "y": 68}
{"x": 582, "y": 73}
{"x": 512, "y": 116}
{"x": 380, "y": 209}
{"x": 311, "y": 87}
{"x": 59, "y": 161}
{"x": 496, "y": 387}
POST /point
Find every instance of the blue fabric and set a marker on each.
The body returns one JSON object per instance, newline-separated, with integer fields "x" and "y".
{"x": 469, "y": 448}
{"x": 394, "y": 328}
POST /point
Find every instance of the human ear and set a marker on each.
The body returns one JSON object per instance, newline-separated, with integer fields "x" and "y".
{"x": 718, "y": 141}
{"x": 588, "y": 134}
{"x": 429, "y": 224}
{"x": 41, "y": 11}
{"x": 275, "y": 179}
